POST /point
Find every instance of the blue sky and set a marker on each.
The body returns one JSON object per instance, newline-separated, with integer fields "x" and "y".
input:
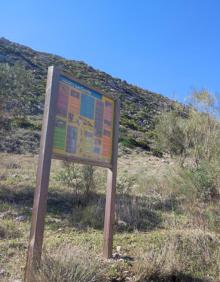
{"x": 167, "y": 46}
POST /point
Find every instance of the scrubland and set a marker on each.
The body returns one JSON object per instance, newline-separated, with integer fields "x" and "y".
{"x": 163, "y": 232}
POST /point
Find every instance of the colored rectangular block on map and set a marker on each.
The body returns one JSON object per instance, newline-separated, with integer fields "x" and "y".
{"x": 71, "y": 139}
{"x": 59, "y": 134}
{"x": 87, "y": 106}
{"x": 99, "y": 118}
{"x": 62, "y": 100}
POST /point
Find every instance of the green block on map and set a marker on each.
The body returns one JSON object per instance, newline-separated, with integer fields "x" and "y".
{"x": 59, "y": 138}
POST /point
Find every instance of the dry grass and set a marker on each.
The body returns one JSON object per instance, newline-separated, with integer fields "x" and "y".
{"x": 160, "y": 223}
{"x": 190, "y": 255}
{"x": 69, "y": 263}
{"x": 8, "y": 230}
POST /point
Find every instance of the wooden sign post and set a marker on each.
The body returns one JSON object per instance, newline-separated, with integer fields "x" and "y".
{"x": 80, "y": 124}
{"x": 111, "y": 189}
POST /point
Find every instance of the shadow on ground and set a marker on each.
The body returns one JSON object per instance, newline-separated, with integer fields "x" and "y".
{"x": 178, "y": 277}
{"x": 82, "y": 211}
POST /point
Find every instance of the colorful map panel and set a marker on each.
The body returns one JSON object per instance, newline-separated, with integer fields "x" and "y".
{"x": 84, "y": 123}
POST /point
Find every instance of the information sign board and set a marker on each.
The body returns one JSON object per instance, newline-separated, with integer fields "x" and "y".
{"x": 80, "y": 124}
{"x": 83, "y": 123}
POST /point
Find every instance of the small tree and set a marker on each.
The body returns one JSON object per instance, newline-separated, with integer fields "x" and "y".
{"x": 195, "y": 136}
{"x": 78, "y": 178}
{"x": 71, "y": 176}
{"x": 171, "y": 134}
{"x": 88, "y": 178}
{"x": 195, "y": 140}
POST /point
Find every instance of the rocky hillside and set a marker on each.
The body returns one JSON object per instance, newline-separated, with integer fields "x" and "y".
{"x": 139, "y": 107}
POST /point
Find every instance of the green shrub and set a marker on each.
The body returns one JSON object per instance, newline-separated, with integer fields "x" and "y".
{"x": 128, "y": 141}
{"x": 207, "y": 180}
{"x": 196, "y": 136}
{"x": 79, "y": 178}
{"x": 195, "y": 140}
{"x": 18, "y": 95}
{"x": 125, "y": 183}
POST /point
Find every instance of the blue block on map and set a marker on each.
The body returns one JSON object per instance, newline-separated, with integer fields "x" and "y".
{"x": 87, "y": 106}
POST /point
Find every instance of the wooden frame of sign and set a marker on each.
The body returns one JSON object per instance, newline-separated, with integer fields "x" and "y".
{"x": 48, "y": 151}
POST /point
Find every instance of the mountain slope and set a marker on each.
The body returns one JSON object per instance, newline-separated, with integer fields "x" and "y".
{"x": 139, "y": 107}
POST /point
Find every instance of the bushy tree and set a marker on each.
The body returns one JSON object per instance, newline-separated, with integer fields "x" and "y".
{"x": 79, "y": 178}
{"x": 195, "y": 140}
{"x": 196, "y": 135}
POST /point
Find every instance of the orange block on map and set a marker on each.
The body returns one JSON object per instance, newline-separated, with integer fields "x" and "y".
{"x": 106, "y": 146}
{"x": 74, "y": 105}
